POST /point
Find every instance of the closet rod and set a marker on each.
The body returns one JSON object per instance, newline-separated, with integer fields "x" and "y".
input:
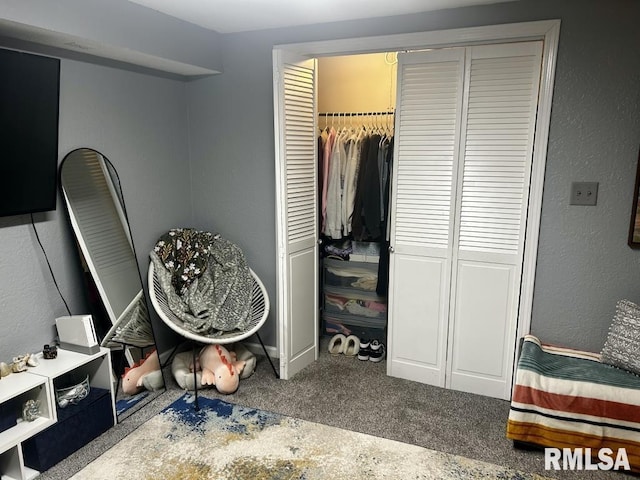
{"x": 353, "y": 114}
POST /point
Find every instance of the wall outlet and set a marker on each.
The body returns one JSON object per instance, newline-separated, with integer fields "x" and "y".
{"x": 584, "y": 193}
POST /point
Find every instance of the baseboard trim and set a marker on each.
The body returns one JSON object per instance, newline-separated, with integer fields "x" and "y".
{"x": 256, "y": 349}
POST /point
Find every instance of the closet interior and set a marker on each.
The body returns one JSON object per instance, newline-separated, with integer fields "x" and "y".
{"x": 356, "y": 104}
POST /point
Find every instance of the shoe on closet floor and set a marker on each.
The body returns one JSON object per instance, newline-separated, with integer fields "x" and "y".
{"x": 365, "y": 350}
{"x": 377, "y": 351}
{"x": 337, "y": 344}
{"x": 352, "y": 346}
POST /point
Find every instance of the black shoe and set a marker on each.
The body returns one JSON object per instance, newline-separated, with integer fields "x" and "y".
{"x": 365, "y": 350}
{"x": 377, "y": 351}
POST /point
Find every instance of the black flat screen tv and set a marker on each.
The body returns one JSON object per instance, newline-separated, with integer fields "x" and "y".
{"x": 29, "y": 104}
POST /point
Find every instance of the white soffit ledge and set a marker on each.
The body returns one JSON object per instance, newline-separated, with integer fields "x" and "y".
{"x": 50, "y": 38}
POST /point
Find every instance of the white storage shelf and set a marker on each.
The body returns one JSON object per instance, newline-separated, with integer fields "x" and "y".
{"x": 96, "y": 366}
{"x": 17, "y": 389}
{"x": 39, "y": 383}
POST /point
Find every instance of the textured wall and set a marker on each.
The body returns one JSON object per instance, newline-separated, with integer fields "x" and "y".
{"x": 584, "y": 263}
{"x": 139, "y": 123}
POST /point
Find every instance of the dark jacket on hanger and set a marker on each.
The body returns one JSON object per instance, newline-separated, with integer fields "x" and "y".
{"x": 371, "y": 193}
{"x": 357, "y": 223}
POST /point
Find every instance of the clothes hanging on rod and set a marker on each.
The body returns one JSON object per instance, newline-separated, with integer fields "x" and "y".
{"x": 355, "y": 151}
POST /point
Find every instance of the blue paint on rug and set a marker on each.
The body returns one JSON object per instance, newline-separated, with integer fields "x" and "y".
{"x": 225, "y": 415}
{"x": 125, "y": 404}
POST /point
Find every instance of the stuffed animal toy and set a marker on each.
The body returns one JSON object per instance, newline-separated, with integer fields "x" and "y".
{"x": 242, "y": 360}
{"x": 220, "y": 368}
{"x": 145, "y": 374}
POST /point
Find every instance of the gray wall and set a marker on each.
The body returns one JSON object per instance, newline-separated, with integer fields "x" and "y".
{"x": 584, "y": 263}
{"x": 215, "y": 137}
{"x": 137, "y": 121}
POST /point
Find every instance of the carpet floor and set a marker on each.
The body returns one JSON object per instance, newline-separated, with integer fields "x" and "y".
{"x": 358, "y": 396}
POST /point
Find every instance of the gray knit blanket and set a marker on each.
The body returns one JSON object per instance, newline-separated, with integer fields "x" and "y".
{"x": 206, "y": 280}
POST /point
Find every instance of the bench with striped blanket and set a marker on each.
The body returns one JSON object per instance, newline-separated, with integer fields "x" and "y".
{"x": 567, "y": 398}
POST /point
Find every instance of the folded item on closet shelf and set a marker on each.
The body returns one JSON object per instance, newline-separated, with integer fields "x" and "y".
{"x": 367, "y": 308}
{"x": 364, "y": 280}
{"x": 376, "y": 306}
{"x": 356, "y": 257}
{"x": 331, "y": 327}
{"x": 368, "y": 283}
{"x": 337, "y": 256}
{"x": 341, "y": 250}
{"x": 345, "y": 271}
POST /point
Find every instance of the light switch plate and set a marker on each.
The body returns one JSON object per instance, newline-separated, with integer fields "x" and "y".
{"x": 584, "y": 193}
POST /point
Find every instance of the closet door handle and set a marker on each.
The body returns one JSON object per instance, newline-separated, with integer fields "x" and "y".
{"x": 391, "y": 249}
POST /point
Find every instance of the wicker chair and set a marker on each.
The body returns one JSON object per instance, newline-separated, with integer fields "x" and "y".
{"x": 258, "y": 314}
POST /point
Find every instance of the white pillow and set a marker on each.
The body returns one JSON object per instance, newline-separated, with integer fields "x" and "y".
{"x": 622, "y": 347}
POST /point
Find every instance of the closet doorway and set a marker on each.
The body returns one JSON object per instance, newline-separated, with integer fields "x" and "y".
{"x": 296, "y": 113}
{"x": 356, "y": 101}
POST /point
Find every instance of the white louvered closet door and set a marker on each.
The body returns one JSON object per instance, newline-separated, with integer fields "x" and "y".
{"x": 429, "y": 107}
{"x": 463, "y": 162}
{"x": 297, "y": 214}
{"x": 498, "y": 129}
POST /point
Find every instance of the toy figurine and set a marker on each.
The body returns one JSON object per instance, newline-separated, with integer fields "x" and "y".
{"x": 49, "y": 352}
{"x": 31, "y": 410}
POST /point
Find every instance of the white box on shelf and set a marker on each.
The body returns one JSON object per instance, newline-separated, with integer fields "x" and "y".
{"x": 76, "y": 333}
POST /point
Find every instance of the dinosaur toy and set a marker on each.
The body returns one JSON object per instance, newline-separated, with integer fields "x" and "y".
{"x": 145, "y": 374}
{"x": 220, "y": 368}
{"x": 182, "y": 366}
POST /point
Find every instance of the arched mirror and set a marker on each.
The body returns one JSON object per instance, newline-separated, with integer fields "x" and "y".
{"x": 96, "y": 210}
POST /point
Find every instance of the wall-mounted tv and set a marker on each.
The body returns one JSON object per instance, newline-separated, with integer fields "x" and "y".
{"x": 29, "y": 104}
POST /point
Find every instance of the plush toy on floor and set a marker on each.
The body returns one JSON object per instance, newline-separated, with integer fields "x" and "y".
{"x": 215, "y": 366}
{"x": 144, "y": 375}
{"x": 219, "y": 368}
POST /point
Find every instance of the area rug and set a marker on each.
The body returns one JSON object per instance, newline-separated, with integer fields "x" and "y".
{"x": 128, "y": 403}
{"x": 226, "y": 441}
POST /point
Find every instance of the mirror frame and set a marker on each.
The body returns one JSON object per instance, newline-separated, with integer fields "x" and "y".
{"x": 130, "y": 353}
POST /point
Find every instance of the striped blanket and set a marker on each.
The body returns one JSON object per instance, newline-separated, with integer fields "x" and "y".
{"x": 566, "y": 398}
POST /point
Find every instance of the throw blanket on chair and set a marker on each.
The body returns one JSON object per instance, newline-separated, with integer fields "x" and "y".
{"x": 206, "y": 279}
{"x": 566, "y": 398}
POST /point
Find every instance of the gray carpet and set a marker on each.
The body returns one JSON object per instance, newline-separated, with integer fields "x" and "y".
{"x": 359, "y": 396}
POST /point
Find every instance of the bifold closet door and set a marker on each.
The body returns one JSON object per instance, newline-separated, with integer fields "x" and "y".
{"x": 497, "y": 134}
{"x": 297, "y": 212}
{"x": 465, "y": 128}
{"x": 428, "y": 118}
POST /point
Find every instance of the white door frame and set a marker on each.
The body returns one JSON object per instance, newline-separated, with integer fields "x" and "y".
{"x": 546, "y": 30}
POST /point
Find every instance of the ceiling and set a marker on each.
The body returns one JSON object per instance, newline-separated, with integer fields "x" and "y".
{"x": 100, "y": 29}
{"x": 229, "y": 16}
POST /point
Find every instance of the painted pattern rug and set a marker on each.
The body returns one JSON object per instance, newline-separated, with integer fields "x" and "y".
{"x": 227, "y": 441}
